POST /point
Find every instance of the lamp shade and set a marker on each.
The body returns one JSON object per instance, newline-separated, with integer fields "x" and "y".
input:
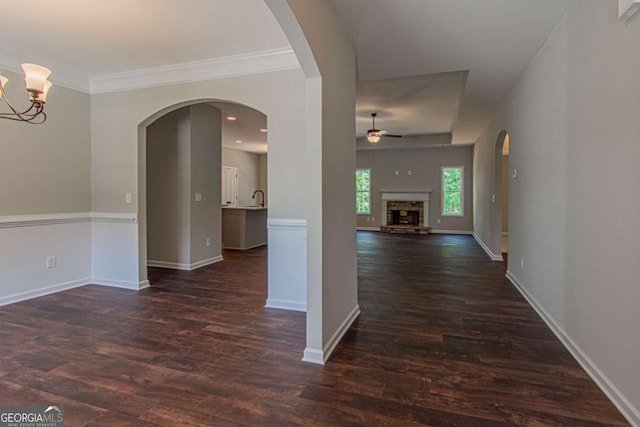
{"x": 373, "y": 138}
{"x": 42, "y": 97}
{"x": 3, "y": 81}
{"x": 35, "y": 77}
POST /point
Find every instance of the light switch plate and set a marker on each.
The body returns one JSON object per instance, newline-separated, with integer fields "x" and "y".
{"x": 198, "y": 197}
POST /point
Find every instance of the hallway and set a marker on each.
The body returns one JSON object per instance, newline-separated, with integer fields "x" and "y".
{"x": 443, "y": 339}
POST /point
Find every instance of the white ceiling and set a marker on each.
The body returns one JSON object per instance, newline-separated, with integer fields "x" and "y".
{"x": 96, "y": 37}
{"x": 246, "y": 128}
{"x": 493, "y": 39}
{"x": 425, "y": 51}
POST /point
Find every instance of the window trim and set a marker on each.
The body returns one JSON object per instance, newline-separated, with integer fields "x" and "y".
{"x": 442, "y": 213}
{"x": 369, "y": 191}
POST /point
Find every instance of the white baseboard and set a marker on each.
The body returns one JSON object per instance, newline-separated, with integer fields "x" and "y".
{"x": 286, "y": 305}
{"x": 368, "y": 228}
{"x": 244, "y": 249}
{"x": 320, "y": 357}
{"x": 184, "y": 267}
{"x": 626, "y": 408}
{"x": 206, "y": 262}
{"x": 489, "y": 252}
{"x": 134, "y": 286}
{"x": 22, "y": 296}
{"x": 466, "y": 233}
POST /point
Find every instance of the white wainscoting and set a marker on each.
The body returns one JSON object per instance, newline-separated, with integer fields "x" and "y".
{"x": 25, "y": 243}
{"x": 114, "y": 251}
{"x": 287, "y": 261}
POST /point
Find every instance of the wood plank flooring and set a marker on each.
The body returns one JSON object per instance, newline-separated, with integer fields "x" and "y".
{"x": 443, "y": 340}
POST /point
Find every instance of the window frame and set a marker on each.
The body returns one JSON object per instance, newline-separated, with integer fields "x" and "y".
{"x": 368, "y": 191}
{"x": 442, "y": 190}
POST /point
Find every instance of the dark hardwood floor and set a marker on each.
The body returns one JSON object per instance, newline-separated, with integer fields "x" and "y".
{"x": 443, "y": 340}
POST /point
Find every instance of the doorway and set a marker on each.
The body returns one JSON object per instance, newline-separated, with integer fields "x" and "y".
{"x": 501, "y": 201}
{"x": 229, "y": 187}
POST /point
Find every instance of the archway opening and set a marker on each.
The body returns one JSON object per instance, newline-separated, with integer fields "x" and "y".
{"x": 185, "y": 220}
{"x": 501, "y": 201}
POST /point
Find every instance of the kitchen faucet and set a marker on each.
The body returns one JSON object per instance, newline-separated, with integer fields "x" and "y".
{"x": 254, "y": 196}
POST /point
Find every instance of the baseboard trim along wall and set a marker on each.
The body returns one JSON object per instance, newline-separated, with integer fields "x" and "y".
{"x": 320, "y": 357}
{"x": 462, "y": 232}
{"x": 134, "y": 286}
{"x": 185, "y": 267}
{"x": 47, "y": 290}
{"x": 489, "y": 252}
{"x": 286, "y": 305}
{"x": 368, "y": 228}
{"x": 626, "y": 408}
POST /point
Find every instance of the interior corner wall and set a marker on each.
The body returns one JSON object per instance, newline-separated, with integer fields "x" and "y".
{"x": 169, "y": 188}
{"x": 248, "y": 165}
{"x": 205, "y": 179}
{"x": 573, "y": 123}
{"x": 425, "y": 165}
{"x": 44, "y": 176}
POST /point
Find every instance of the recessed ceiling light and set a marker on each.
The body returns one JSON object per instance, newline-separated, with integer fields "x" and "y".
{"x": 232, "y": 118}
{"x": 263, "y": 130}
{"x": 238, "y": 142}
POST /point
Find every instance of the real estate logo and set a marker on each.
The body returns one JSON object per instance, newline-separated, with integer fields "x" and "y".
{"x": 31, "y": 416}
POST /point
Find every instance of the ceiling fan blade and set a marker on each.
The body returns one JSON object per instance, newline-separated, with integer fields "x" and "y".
{"x": 388, "y": 135}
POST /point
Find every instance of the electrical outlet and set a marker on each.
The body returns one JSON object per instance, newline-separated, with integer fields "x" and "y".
{"x": 522, "y": 262}
{"x": 198, "y": 197}
{"x": 438, "y": 221}
{"x": 128, "y": 198}
{"x": 368, "y": 219}
{"x": 397, "y": 173}
{"x": 373, "y": 218}
{"x": 208, "y": 241}
{"x": 514, "y": 174}
{"x": 409, "y": 172}
{"x": 52, "y": 262}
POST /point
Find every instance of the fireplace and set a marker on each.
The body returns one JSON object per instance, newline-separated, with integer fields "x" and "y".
{"x": 405, "y": 212}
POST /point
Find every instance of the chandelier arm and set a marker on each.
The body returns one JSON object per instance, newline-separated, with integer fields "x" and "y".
{"x": 35, "y": 110}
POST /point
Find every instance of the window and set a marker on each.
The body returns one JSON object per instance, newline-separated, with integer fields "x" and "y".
{"x": 363, "y": 191}
{"x": 453, "y": 191}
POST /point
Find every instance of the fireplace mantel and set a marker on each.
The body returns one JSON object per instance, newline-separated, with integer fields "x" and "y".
{"x": 409, "y": 196}
{"x": 406, "y": 196}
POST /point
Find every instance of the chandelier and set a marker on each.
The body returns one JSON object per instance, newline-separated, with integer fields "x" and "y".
{"x": 37, "y": 86}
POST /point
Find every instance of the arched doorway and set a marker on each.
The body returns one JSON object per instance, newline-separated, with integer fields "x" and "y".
{"x": 501, "y": 194}
{"x": 181, "y": 150}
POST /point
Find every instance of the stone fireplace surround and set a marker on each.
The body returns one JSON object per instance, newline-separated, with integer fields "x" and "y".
{"x": 405, "y": 200}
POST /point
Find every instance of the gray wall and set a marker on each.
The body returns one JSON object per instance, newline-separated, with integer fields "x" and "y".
{"x": 573, "y": 122}
{"x": 206, "y": 216}
{"x": 168, "y": 188}
{"x": 425, "y": 165}
{"x": 248, "y": 165}
{"x": 183, "y": 158}
{"x": 263, "y": 175}
{"x": 46, "y": 168}
{"x": 505, "y": 193}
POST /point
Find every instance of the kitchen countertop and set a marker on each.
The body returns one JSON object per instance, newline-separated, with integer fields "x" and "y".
{"x": 246, "y": 208}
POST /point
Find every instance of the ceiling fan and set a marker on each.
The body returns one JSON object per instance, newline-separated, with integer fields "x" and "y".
{"x": 374, "y": 135}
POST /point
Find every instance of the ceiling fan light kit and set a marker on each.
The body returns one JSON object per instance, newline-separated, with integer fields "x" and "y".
{"x": 374, "y": 135}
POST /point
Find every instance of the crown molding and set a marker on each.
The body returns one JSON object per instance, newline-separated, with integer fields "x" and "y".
{"x": 210, "y": 69}
{"x": 13, "y": 62}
